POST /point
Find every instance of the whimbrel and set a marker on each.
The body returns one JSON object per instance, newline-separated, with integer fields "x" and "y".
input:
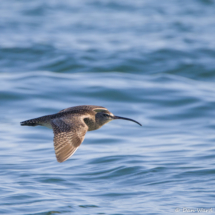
{"x": 71, "y": 124}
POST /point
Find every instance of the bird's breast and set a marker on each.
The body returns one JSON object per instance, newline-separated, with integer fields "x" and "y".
{"x": 92, "y": 125}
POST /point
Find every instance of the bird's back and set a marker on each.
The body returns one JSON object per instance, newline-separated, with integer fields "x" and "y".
{"x": 82, "y": 111}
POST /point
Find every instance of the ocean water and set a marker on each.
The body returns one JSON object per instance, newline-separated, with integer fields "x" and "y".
{"x": 152, "y": 61}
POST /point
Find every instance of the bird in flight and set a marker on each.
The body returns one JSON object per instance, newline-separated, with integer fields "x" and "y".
{"x": 71, "y": 124}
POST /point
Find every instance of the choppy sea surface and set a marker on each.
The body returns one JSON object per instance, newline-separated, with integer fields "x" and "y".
{"x": 152, "y": 61}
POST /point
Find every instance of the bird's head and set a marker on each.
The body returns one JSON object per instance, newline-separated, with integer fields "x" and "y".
{"x": 104, "y": 117}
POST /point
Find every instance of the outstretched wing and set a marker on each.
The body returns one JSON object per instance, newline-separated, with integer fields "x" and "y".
{"x": 84, "y": 107}
{"x": 69, "y": 133}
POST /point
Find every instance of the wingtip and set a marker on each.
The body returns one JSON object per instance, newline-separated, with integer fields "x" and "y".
{"x": 59, "y": 160}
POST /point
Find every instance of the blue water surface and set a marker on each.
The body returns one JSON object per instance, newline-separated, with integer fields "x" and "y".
{"x": 152, "y": 61}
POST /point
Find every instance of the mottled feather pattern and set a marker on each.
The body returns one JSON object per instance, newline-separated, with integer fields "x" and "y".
{"x": 37, "y": 121}
{"x": 69, "y": 128}
{"x": 71, "y": 124}
{"x": 68, "y": 135}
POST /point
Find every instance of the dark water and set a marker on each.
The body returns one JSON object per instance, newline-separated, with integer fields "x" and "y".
{"x": 152, "y": 61}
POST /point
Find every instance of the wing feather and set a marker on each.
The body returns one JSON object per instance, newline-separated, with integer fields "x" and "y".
{"x": 68, "y": 136}
{"x": 84, "y": 107}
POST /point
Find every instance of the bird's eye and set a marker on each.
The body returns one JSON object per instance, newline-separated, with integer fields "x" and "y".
{"x": 104, "y": 114}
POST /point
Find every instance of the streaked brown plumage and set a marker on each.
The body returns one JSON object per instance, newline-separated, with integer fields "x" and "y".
{"x": 71, "y": 124}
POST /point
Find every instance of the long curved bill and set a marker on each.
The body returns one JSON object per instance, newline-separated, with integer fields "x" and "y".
{"x": 119, "y": 117}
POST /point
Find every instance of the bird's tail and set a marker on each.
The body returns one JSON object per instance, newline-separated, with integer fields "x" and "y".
{"x": 30, "y": 122}
{"x": 36, "y": 121}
